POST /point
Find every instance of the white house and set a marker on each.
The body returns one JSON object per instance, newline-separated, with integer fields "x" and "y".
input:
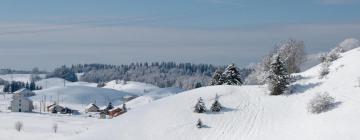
{"x": 21, "y": 104}
{"x": 24, "y": 92}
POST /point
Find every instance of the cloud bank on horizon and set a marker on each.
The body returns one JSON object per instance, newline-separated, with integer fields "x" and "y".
{"x": 199, "y": 31}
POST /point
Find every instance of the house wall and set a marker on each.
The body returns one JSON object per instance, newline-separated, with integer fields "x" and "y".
{"x": 21, "y": 105}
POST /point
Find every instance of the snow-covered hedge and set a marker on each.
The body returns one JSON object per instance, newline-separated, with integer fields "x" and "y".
{"x": 321, "y": 103}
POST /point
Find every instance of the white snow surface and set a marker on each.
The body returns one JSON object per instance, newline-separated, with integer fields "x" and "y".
{"x": 249, "y": 113}
{"x": 78, "y": 96}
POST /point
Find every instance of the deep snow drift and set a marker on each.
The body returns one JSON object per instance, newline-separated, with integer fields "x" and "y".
{"x": 250, "y": 113}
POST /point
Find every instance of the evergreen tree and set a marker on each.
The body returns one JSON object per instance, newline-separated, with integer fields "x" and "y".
{"x": 199, "y": 124}
{"x": 32, "y": 85}
{"x": 279, "y": 77}
{"x": 110, "y": 106}
{"x": 124, "y": 107}
{"x": 231, "y": 76}
{"x": 27, "y": 86}
{"x": 216, "y": 106}
{"x": 200, "y": 106}
{"x": 216, "y": 78}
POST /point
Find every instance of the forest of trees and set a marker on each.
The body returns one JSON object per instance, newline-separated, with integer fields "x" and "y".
{"x": 164, "y": 74}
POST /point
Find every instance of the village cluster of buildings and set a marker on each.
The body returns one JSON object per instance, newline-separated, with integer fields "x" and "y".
{"x": 22, "y": 103}
{"x": 109, "y": 110}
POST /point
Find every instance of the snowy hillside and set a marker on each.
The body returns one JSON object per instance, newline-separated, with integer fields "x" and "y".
{"x": 59, "y": 82}
{"x": 250, "y": 113}
{"x": 80, "y": 96}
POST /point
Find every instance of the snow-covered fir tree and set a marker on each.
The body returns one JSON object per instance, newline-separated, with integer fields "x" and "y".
{"x": 199, "y": 124}
{"x": 279, "y": 77}
{"x": 200, "y": 106}
{"x": 231, "y": 76}
{"x": 216, "y": 106}
{"x": 216, "y": 78}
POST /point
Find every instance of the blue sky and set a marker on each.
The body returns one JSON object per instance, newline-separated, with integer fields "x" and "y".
{"x": 45, "y": 33}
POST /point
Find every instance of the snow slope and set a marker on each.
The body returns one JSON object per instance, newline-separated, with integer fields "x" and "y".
{"x": 78, "y": 96}
{"x": 250, "y": 113}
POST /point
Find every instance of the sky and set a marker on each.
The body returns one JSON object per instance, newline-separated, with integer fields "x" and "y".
{"x": 46, "y": 34}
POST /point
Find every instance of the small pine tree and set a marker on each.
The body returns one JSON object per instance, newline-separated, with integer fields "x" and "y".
{"x": 231, "y": 76}
{"x": 279, "y": 77}
{"x": 124, "y": 107}
{"x": 216, "y": 106}
{"x": 216, "y": 78}
{"x": 199, "y": 124}
{"x": 200, "y": 106}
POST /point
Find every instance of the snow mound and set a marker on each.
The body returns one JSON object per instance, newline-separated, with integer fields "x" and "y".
{"x": 78, "y": 95}
{"x": 130, "y": 86}
{"x": 249, "y": 112}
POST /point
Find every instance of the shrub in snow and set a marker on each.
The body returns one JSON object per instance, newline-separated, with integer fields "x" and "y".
{"x": 216, "y": 106}
{"x": 279, "y": 78}
{"x": 55, "y": 127}
{"x": 349, "y": 44}
{"x": 334, "y": 54}
{"x": 199, "y": 124}
{"x": 200, "y": 106}
{"x": 321, "y": 103}
{"x": 18, "y": 126}
{"x": 324, "y": 70}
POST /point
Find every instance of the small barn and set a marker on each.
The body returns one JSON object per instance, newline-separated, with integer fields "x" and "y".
{"x": 24, "y": 92}
{"x": 116, "y": 112}
{"x": 92, "y": 108}
{"x": 21, "y": 103}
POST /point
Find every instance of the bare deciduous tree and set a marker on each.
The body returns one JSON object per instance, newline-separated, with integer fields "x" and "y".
{"x": 19, "y": 126}
{"x": 55, "y": 127}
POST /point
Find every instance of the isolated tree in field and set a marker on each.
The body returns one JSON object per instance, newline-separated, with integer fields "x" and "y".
{"x": 216, "y": 78}
{"x": 124, "y": 107}
{"x": 231, "y": 76}
{"x": 200, "y": 106}
{"x": 199, "y": 124}
{"x": 279, "y": 78}
{"x": 216, "y": 106}
{"x": 55, "y": 127}
{"x": 18, "y": 126}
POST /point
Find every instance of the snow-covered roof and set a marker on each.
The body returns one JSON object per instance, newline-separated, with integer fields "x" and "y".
{"x": 91, "y": 105}
{"x": 23, "y": 90}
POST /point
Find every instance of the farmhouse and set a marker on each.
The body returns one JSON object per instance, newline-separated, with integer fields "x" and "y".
{"x": 21, "y": 103}
{"x": 92, "y": 108}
